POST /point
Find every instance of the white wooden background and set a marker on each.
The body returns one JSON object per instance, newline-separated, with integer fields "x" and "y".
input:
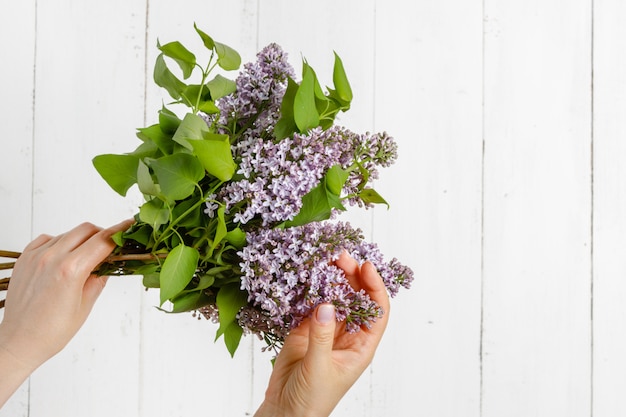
{"x": 508, "y": 200}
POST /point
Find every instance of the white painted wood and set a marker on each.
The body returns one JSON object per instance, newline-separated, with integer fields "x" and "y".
{"x": 419, "y": 70}
{"x": 429, "y": 96}
{"x": 88, "y": 100}
{"x": 17, "y": 29}
{"x": 536, "y": 352}
{"x": 609, "y": 291}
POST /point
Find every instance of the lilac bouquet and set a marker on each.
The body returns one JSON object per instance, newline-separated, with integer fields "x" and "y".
{"x": 242, "y": 194}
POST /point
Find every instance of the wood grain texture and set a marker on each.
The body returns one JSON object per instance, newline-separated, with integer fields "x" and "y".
{"x": 429, "y": 96}
{"x": 536, "y": 352}
{"x": 17, "y": 69}
{"x": 609, "y": 232}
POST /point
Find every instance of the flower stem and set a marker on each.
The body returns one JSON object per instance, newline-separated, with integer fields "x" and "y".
{"x": 117, "y": 261}
{"x": 8, "y": 265}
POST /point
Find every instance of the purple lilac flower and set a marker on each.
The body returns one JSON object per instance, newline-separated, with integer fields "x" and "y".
{"x": 370, "y": 151}
{"x": 260, "y": 89}
{"x": 288, "y": 272}
{"x": 276, "y": 175}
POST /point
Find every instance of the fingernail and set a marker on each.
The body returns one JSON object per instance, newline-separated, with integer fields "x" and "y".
{"x": 325, "y": 313}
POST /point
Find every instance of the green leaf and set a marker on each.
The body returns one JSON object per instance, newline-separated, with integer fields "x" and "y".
{"x": 336, "y": 178}
{"x": 192, "y": 127}
{"x": 148, "y": 269}
{"x": 145, "y": 182}
{"x": 221, "y": 87}
{"x": 141, "y": 235}
{"x": 206, "y": 39}
{"x": 156, "y": 134}
{"x": 185, "y": 59}
{"x": 230, "y": 299}
{"x": 340, "y": 80}
{"x": 154, "y": 213}
{"x": 118, "y": 238}
{"x": 208, "y": 107}
{"x": 119, "y": 171}
{"x": 205, "y": 282}
{"x": 168, "y": 121}
{"x": 236, "y": 237}
{"x": 147, "y": 149}
{"x": 304, "y": 108}
{"x": 286, "y": 125}
{"x": 232, "y": 337}
{"x": 227, "y": 58}
{"x": 190, "y": 301}
{"x": 220, "y": 230}
{"x": 190, "y": 220}
{"x": 369, "y": 195}
{"x": 151, "y": 280}
{"x": 214, "y": 152}
{"x": 177, "y": 271}
{"x": 317, "y": 205}
{"x": 163, "y": 77}
{"x": 178, "y": 175}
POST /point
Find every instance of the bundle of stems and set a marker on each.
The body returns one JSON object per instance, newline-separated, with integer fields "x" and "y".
{"x": 114, "y": 264}
{"x": 4, "y": 282}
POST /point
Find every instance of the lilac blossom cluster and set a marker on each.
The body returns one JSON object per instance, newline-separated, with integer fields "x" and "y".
{"x": 369, "y": 151}
{"x": 255, "y": 106}
{"x": 276, "y": 175}
{"x": 288, "y": 272}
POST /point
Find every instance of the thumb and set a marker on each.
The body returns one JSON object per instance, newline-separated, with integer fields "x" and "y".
{"x": 321, "y": 336}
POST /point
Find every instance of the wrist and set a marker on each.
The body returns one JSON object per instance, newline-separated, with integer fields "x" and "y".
{"x": 270, "y": 409}
{"x": 267, "y": 409}
{"x": 14, "y": 370}
{"x": 13, "y": 351}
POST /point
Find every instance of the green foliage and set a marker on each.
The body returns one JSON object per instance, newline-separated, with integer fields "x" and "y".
{"x": 305, "y": 106}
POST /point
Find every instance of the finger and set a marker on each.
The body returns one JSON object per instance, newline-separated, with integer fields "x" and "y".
{"x": 350, "y": 268}
{"x": 99, "y": 246}
{"x": 37, "y": 242}
{"x": 321, "y": 337}
{"x": 76, "y": 237}
{"x": 91, "y": 291}
{"x": 373, "y": 284}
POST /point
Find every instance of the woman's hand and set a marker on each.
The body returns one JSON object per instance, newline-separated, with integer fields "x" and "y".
{"x": 320, "y": 361}
{"x": 51, "y": 293}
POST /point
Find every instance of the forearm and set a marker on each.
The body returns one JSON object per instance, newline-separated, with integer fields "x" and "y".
{"x": 13, "y": 372}
{"x": 268, "y": 409}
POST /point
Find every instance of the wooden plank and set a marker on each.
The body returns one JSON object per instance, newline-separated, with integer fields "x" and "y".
{"x": 17, "y": 29}
{"x": 536, "y": 356}
{"x": 609, "y": 262}
{"x": 429, "y": 96}
{"x": 88, "y": 101}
